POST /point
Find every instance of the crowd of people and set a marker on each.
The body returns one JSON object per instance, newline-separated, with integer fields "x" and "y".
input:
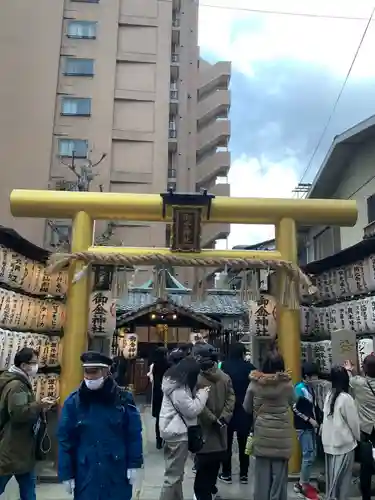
{"x": 257, "y": 406}
{"x": 199, "y": 403}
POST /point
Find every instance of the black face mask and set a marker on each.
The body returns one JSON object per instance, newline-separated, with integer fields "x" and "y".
{"x": 206, "y": 364}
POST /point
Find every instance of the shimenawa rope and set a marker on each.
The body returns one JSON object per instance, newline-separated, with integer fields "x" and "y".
{"x": 288, "y": 293}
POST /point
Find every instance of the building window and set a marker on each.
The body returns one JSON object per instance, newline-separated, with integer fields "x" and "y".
{"x": 172, "y": 174}
{"x": 60, "y": 235}
{"x": 79, "y": 67}
{"x": 87, "y": 1}
{"x": 73, "y": 147}
{"x": 327, "y": 243}
{"x": 168, "y": 234}
{"x": 76, "y": 106}
{"x": 171, "y": 185}
{"x": 172, "y": 127}
{"x": 371, "y": 209}
{"x": 82, "y": 29}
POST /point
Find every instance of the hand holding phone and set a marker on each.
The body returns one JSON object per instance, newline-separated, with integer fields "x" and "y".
{"x": 49, "y": 402}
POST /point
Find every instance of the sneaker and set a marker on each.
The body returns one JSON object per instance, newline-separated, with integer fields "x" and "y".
{"x": 243, "y": 480}
{"x": 307, "y": 491}
{"x": 225, "y": 479}
{"x": 298, "y": 488}
{"x": 310, "y": 492}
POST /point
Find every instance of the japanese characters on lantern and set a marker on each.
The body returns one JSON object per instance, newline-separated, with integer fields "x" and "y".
{"x": 102, "y": 314}
{"x": 130, "y": 349}
{"x": 262, "y": 317}
{"x": 25, "y": 275}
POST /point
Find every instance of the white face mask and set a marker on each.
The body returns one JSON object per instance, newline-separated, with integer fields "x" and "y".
{"x": 95, "y": 384}
{"x": 33, "y": 370}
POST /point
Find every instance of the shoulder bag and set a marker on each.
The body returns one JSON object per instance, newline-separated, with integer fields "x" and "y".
{"x": 194, "y": 432}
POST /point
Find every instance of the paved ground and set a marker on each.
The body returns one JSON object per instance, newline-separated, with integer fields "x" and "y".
{"x": 154, "y": 468}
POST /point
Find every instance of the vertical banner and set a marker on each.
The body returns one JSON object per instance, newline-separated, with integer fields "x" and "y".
{"x": 102, "y": 314}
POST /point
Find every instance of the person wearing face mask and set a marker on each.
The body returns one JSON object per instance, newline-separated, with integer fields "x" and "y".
{"x": 99, "y": 436}
{"x": 19, "y": 414}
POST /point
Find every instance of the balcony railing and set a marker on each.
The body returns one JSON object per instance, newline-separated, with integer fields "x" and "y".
{"x": 172, "y": 133}
{"x": 175, "y": 58}
{"x": 369, "y": 230}
{"x": 173, "y": 94}
{"x": 63, "y": 185}
{"x": 176, "y": 22}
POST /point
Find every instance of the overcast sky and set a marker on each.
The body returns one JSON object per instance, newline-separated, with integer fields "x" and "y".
{"x": 287, "y": 72}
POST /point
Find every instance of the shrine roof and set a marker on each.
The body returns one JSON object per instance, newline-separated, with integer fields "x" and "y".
{"x": 216, "y": 302}
{"x": 203, "y": 319}
{"x": 171, "y": 281}
{"x": 348, "y": 256}
{"x": 9, "y": 238}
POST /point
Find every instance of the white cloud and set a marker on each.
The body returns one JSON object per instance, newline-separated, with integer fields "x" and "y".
{"x": 226, "y": 35}
{"x": 254, "y": 178}
{"x": 330, "y": 42}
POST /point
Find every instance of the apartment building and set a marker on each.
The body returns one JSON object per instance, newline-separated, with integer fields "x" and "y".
{"x": 119, "y": 81}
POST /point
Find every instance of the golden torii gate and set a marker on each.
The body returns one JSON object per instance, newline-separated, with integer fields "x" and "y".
{"x": 86, "y": 207}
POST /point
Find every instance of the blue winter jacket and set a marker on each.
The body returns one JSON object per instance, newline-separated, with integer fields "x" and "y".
{"x": 97, "y": 444}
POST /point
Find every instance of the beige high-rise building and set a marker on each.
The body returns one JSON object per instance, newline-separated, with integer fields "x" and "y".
{"x": 120, "y": 78}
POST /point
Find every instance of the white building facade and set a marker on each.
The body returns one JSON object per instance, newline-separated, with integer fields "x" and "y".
{"x": 348, "y": 173}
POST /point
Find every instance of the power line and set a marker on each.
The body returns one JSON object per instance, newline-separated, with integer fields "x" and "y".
{"x": 281, "y": 13}
{"x": 333, "y": 111}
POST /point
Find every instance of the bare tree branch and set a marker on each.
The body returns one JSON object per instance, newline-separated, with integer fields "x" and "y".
{"x": 85, "y": 175}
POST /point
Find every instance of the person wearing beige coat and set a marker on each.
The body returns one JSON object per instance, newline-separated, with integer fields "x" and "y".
{"x": 269, "y": 397}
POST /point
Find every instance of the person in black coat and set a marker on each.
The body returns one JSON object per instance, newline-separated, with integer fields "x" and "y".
{"x": 159, "y": 367}
{"x": 119, "y": 370}
{"x": 239, "y": 370}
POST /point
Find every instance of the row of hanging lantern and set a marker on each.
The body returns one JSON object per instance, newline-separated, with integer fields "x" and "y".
{"x": 32, "y": 314}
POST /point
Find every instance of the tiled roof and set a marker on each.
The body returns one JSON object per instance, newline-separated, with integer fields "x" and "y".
{"x": 184, "y": 311}
{"x": 216, "y": 302}
{"x": 348, "y": 256}
{"x": 9, "y": 238}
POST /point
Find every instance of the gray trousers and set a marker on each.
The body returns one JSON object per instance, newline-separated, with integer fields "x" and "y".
{"x": 175, "y": 456}
{"x": 339, "y": 475}
{"x": 270, "y": 479}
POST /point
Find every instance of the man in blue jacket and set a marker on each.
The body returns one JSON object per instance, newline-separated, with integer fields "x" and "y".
{"x": 306, "y": 422}
{"x": 99, "y": 436}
